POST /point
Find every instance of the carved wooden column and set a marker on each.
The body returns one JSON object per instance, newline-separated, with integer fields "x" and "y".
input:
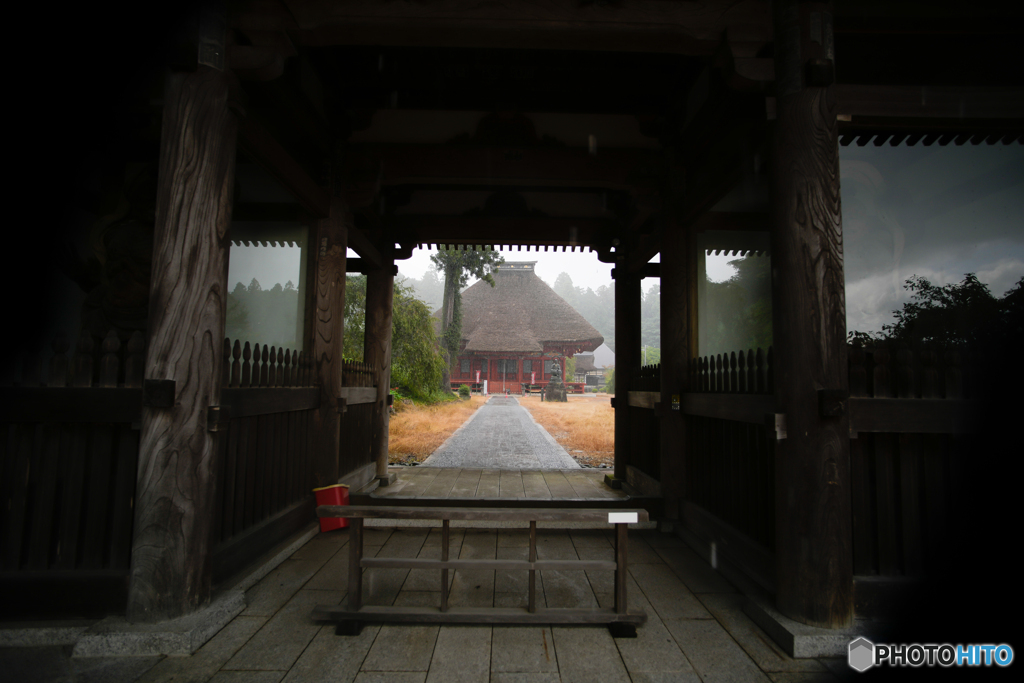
{"x": 380, "y": 287}
{"x": 814, "y": 582}
{"x": 675, "y": 355}
{"x": 174, "y": 500}
{"x": 627, "y": 358}
{"x": 331, "y": 243}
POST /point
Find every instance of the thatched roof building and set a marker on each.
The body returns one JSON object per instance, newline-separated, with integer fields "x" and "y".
{"x": 521, "y": 314}
{"x": 521, "y": 326}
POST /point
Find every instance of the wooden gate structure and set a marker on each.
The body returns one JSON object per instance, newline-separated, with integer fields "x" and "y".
{"x": 819, "y": 471}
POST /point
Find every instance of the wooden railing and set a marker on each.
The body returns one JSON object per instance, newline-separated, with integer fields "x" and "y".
{"x": 908, "y": 414}
{"x": 265, "y": 465}
{"x": 354, "y": 614}
{"x": 909, "y": 411}
{"x": 69, "y": 456}
{"x": 730, "y": 462}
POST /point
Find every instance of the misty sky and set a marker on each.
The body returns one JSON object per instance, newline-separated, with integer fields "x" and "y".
{"x": 936, "y": 212}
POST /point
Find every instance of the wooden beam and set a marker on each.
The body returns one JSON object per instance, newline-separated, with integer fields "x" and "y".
{"x": 687, "y": 28}
{"x": 328, "y": 343}
{"x": 943, "y": 102}
{"x": 362, "y": 245}
{"x": 676, "y": 310}
{"x": 814, "y": 546}
{"x": 380, "y": 290}
{"x": 484, "y": 230}
{"x": 627, "y": 359}
{"x": 174, "y": 500}
{"x": 613, "y": 168}
{"x": 256, "y": 141}
{"x": 913, "y": 415}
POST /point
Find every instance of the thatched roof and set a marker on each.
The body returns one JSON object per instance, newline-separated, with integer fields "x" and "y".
{"x": 520, "y": 313}
{"x": 585, "y": 363}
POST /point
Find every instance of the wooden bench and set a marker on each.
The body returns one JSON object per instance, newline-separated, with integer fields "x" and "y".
{"x": 620, "y": 621}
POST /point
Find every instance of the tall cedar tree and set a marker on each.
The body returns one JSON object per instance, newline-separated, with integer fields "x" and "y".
{"x": 458, "y": 266}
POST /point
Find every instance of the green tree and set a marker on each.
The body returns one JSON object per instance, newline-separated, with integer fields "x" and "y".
{"x": 355, "y": 316}
{"x": 570, "y": 369}
{"x": 458, "y": 265}
{"x": 650, "y": 316}
{"x": 957, "y": 315}
{"x": 416, "y": 360}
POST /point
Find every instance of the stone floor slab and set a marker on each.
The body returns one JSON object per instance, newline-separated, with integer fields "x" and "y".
{"x": 692, "y": 570}
{"x": 401, "y": 648}
{"x": 522, "y": 649}
{"x": 475, "y": 588}
{"x": 525, "y": 678}
{"x": 331, "y": 658}
{"x": 667, "y": 595}
{"x": 248, "y": 677}
{"x": 715, "y": 656}
{"x": 392, "y": 677}
{"x": 654, "y": 649}
{"x": 276, "y": 588}
{"x": 462, "y": 654}
{"x": 803, "y": 677}
{"x": 208, "y": 659}
{"x": 728, "y": 610}
{"x": 587, "y": 654}
{"x": 277, "y": 645}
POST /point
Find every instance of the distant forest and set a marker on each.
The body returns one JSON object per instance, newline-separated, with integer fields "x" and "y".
{"x": 265, "y": 316}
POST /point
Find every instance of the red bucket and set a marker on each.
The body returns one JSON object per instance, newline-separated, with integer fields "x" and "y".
{"x": 332, "y": 495}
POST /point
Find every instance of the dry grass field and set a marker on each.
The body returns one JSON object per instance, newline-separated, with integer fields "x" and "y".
{"x": 417, "y": 431}
{"x": 585, "y": 426}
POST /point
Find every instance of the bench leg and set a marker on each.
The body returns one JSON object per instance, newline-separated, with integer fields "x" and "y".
{"x": 621, "y": 545}
{"x": 348, "y": 628}
{"x": 620, "y": 630}
{"x": 444, "y": 572}
{"x": 355, "y": 564}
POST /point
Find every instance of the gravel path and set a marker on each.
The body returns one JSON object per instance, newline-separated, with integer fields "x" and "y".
{"x": 501, "y": 435}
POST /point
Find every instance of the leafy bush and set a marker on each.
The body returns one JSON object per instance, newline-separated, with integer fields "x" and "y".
{"x": 464, "y": 391}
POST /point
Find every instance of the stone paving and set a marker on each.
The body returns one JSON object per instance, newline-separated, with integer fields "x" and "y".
{"x": 696, "y": 629}
{"x": 501, "y": 435}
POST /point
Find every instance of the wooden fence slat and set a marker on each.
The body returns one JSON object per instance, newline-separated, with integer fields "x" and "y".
{"x": 120, "y": 546}
{"x": 16, "y": 489}
{"x": 97, "y": 501}
{"x": 863, "y": 527}
{"x": 43, "y": 482}
{"x": 888, "y": 524}
{"x": 72, "y": 486}
{"x": 910, "y": 504}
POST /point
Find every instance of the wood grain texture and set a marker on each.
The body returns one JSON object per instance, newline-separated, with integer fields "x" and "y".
{"x": 170, "y": 567}
{"x": 814, "y": 563}
{"x": 627, "y": 350}
{"x": 328, "y": 336}
{"x": 647, "y": 25}
{"x": 380, "y": 288}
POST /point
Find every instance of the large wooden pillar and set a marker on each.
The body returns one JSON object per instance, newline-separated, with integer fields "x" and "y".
{"x": 676, "y": 313}
{"x": 380, "y": 288}
{"x": 174, "y": 500}
{"x": 627, "y": 358}
{"x": 814, "y": 582}
{"x": 331, "y": 240}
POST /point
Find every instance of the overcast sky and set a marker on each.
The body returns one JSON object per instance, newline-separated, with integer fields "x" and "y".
{"x": 937, "y": 212}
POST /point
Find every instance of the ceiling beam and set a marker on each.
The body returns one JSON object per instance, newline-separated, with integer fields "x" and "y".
{"x": 637, "y": 26}
{"x": 945, "y": 102}
{"x": 623, "y": 169}
{"x": 430, "y": 229}
{"x": 258, "y": 143}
